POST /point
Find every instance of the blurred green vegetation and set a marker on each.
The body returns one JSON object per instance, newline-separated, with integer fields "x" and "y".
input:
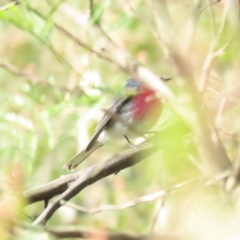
{"x": 51, "y": 102}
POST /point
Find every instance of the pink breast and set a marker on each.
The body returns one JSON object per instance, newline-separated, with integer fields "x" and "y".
{"x": 146, "y": 109}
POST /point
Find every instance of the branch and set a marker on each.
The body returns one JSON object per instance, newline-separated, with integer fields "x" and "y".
{"x": 147, "y": 198}
{"x": 92, "y": 174}
{"x": 9, "y": 5}
{"x": 214, "y": 153}
{"x": 36, "y": 80}
{"x": 144, "y": 199}
{"x": 211, "y": 3}
{"x": 211, "y": 149}
{"x": 212, "y": 53}
{"x": 78, "y": 232}
{"x": 51, "y": 189}
{"x": 113, "y": 165}
{"x": 120, "y": 58}
{"x": 231, "y": 99}
{"x": 63, "y": 232}
{"x": 124, "y": 61}
{"x": 88, "y": 177}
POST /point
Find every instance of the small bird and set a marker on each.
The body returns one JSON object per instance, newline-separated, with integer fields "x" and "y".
{"x": 136, "y": 112}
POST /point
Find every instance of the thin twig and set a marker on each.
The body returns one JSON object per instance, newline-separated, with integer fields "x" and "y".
{"x": 121, "y": 59}
{"x": 91, "y": 7}
{"x": 140, "y": 16}
{"x": 62, "y": 59}
{"x": 99, "y": 25}
{"x": 63, "y": 232}
{"x": 34, "y": 79}
{"x": 232, "y": 99}
{"x": 9, "y": 5}
{"x": 124, "y": 61}
{"x": 213, "y": 153}
{"x": 213, "y": 53}
{"x": 217, "y": 1}
{"x": 144, "y": 199}
{"x": 159, "y": 206}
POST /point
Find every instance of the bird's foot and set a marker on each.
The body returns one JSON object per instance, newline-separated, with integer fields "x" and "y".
{"x": 131, "y": 144}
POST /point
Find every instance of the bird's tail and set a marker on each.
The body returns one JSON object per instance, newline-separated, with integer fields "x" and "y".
{"x": 81, "y": 156}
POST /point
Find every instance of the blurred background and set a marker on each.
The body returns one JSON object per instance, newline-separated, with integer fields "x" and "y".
{"x": 53, "y": 90}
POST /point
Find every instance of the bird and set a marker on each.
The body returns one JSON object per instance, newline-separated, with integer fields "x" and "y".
{"x": 132, "y": 114}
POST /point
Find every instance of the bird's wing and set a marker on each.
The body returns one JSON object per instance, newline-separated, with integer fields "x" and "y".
{"x": 115, "y": 105}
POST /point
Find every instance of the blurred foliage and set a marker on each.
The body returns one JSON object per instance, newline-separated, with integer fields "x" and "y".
{"x": 47, "y": 117}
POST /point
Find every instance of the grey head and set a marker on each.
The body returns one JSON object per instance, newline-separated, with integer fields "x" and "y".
{"x": 132, "y": 83}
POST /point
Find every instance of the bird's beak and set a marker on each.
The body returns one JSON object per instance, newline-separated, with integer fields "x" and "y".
{"x": 166, "y": 79}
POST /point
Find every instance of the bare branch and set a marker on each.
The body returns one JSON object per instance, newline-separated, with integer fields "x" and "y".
{"x": 213, "y": 53}
{"x": 34, "y": 79}
{"x": 63, "y": 232}
{"x": 86, "y": 177}
{"x": 120, "y": 58}
{"x": 144, "y": 199}
{"x": 93, "y": 174}
{"x": 79, "y": 232}
{"x": 113, "y": 165}
{"x": 210, "y": 4}
{"x": 230, "y": 98}
{"x": 103, "y": 169}
{"x": 9, "y": 5}
{"x": 125, "y": 62}
{"x": 210, "y": 146}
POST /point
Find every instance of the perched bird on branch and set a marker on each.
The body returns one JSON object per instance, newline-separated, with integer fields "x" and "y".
{"x": 133, "y": 114}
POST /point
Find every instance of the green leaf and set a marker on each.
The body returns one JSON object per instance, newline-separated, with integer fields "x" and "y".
{"x": 123, "y": 21}
{"x": 98, "y": 11}
{"x": 46, "y": 28}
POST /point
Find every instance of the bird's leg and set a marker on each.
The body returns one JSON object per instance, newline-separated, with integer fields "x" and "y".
{"x": 131, "y": 144}
{"x": 152, "y": 132}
